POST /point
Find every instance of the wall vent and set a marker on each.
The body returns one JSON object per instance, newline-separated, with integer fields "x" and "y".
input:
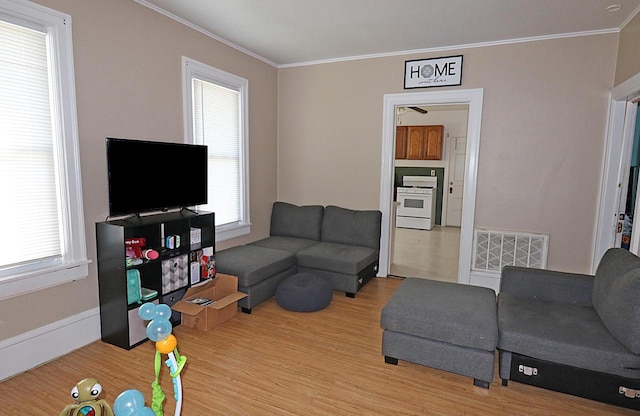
{"x": 493, "y": 249}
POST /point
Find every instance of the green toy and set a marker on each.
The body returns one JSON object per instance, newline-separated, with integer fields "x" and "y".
{"x": 86, "y": 394}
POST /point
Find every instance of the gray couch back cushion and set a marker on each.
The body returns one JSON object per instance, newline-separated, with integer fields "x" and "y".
{"x": 616, "y": 296}
{"x": 355, "y": 228}
{"x": 288, "y": 220}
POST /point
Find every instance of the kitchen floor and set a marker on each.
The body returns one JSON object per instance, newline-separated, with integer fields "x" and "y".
{"x": 426, "y": 254}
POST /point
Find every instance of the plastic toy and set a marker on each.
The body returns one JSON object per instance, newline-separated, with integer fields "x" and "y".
{"x": 86, "y": 394}
{"x": 131, "y": 403}
{"x": 134, "y": 249}
{"x": 159, "y": 330}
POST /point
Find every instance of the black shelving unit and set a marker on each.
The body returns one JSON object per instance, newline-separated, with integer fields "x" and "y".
{"x": 170, "y": 275}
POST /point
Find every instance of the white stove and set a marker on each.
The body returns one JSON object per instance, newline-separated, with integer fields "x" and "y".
{"x": 417, "y": 202}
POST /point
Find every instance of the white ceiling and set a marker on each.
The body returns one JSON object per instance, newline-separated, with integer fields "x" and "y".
{"x": 294, "y": 32}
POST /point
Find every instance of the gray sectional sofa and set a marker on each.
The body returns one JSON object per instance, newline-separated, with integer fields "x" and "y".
{"x": 574, "y": 333}
{"x": 341, "y": 245}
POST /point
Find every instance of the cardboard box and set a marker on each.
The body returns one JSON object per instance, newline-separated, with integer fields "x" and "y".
{"x": 223, "y": 290}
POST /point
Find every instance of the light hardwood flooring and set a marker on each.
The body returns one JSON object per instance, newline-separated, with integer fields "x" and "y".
{"x": 276, "y": 362}
{"x": 430, "y": 254}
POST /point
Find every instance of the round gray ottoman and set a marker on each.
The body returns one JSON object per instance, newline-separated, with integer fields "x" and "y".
{"x": 304, "y": 292}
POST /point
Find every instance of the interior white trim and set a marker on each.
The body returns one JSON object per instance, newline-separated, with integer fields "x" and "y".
{"x": 34, "y": 276}
{"x": 450, "y": 47}
{"x": 208, "y": 33}
{"x": 204, "y": 31}
{"x": 627, "y": 90}
{"x": 617, "y": 147}
{"x": 471, "y": 97}
{"x": 609, "y": 190}
{"x": 194, "y": 69}
{"x": 43, "y": 279}
{"x": 41, "y": 345}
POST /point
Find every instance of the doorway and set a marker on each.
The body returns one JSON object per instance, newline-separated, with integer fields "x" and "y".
{"x": 472, "y": 98}
{"x": 432, "y": 251}
{"x": 619, "y": 144}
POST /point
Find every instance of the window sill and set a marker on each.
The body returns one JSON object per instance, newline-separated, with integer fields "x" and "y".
{"x": 230, "y": 231}
{"x": 42, "y": 279}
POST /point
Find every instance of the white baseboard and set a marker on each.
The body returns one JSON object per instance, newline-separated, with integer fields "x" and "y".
{"x": 490, "y": 280}
{"x": 41, "y": 345}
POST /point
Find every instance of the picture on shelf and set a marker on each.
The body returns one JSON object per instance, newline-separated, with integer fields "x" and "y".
{"x": 205, "y": 261}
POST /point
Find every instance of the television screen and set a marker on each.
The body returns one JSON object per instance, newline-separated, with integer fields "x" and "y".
{"x": 155, "y": 176}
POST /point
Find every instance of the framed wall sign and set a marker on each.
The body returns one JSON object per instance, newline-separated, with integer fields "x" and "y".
{"x": 436, "y": 72}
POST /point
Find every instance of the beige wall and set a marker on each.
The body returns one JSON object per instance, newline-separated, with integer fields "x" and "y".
{"x": 545, "y": 106}
{"x": 629, "y": 51}
{"x": 541, "y": 147}
{"x": 129, "y": 84}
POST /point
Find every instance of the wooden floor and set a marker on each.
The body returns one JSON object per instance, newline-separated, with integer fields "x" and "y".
{"x": 275, "y": 362}
{"x": 429, "y": 254}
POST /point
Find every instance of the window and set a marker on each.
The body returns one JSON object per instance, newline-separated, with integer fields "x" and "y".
{"x": 215, "y": 111}
{"x": 41, "y": 215}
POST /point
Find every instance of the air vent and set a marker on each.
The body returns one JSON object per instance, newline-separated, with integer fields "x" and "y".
{"x": 493, "y": 249}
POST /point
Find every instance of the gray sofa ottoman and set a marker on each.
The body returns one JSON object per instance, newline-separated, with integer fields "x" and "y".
{"x": 443, "y": 325}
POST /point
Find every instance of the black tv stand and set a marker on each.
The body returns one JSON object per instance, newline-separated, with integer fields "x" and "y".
{"x": 181, "y": 238}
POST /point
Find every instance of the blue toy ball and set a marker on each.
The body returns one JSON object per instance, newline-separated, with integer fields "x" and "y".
{"x": 128, "y": 402}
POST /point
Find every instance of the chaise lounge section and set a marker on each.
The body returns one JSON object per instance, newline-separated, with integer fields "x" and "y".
{"x": 574, "y": 333}
{"x": 338, "y": 244}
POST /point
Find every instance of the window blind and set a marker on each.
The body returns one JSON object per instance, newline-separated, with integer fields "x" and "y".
{"x": 29, "y": 213}
{"x": 217, "y": 121}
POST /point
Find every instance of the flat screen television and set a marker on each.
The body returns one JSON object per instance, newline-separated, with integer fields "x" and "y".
{"x": 147, "y": 176}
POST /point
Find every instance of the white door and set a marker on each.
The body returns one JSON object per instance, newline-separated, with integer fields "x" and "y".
{"x": 628, "y": 199}
{"x": 455, "y": 188}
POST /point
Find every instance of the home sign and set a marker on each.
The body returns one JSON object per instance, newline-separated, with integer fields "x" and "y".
{"x": 436, "y": 72}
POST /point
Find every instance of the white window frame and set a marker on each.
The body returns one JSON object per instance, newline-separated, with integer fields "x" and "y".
{"x": 194, "y": 69}
{"x": 73, "y": 264}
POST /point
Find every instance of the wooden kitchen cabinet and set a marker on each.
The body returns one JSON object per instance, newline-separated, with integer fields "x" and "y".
{"x": 401, "y": 142}
{"x": 419, "y": 142}
{"x": 433, "y": 142}
{"x": 415, "y": 142}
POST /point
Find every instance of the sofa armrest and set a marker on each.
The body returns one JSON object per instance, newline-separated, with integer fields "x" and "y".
{"x": 547, "y": 285}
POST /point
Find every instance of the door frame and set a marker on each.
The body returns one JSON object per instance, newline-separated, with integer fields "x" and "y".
{"x": 619, "y": 140}
{"x": 473, "y": 98}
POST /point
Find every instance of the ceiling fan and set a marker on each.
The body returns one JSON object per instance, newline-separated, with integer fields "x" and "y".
{"x": 419, "y": 110}
{"x": 403, "y": 110}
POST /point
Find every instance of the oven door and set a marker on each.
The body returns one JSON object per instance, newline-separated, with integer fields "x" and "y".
{"x": 414, "y": 205}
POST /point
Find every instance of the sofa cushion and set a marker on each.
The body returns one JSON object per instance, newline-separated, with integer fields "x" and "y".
{"x": 290, "y": 244}
{"x": 615, "y": 296}
{"x": 462, "y": 315}
{"x": 562, "y": 333}
{"x": 252, "y": 264}
{"x": 339, "y": 258}
{"x": 290, "y": 220}
{"x": 356, "y": 228}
